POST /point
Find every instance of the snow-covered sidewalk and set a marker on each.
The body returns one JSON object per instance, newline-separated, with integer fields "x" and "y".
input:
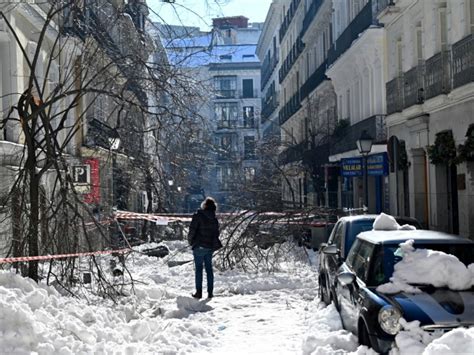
{"x": 266, "y": 313}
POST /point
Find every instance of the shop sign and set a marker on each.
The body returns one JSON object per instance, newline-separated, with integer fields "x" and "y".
{"x": 351, "y": 167}
{"x": 377, "y": 164}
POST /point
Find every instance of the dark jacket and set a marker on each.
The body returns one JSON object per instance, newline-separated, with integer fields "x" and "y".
{"x": 204, "y": 230}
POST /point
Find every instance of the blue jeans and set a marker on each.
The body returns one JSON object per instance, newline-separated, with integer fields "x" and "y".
{"x": 203, "y": 256}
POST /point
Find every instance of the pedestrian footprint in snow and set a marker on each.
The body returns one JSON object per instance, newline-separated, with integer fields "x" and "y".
{"x": 203, "y": 237}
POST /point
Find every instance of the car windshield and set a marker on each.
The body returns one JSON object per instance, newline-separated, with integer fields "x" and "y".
{"x": 387, "y": 256}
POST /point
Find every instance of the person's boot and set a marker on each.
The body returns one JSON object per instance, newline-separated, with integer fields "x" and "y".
{"x": 210, "y": 294}
{"x": 198, "y": 294}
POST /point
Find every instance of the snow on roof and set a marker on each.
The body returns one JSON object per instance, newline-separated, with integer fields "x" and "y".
{"x": 196, "y": 57}
{"x": 429, "y": 267}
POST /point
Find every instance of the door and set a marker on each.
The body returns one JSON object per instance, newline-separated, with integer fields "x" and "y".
{"x": 247, "y": 88}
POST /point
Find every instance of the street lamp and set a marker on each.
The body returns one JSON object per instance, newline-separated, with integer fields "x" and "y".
{"x": 364, "y": 145}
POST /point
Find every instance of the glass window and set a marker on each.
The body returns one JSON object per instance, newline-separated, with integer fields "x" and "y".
{"x": 226, "y": 112}
{"x": 225, "y": 86}
{"x": 249, "y": 147}
{"x": 361, "y": 259}
{"x": 248, "y": 112}
{"x": 247, "y": 88}
{"x": 354, "y": 228}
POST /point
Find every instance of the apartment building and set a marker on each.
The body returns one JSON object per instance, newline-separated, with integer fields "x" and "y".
{"x": 308, "y": 101}
{"x": 356, "y": 68}
{"x": 430, "y": 111}
{"x": 228, "y": 70}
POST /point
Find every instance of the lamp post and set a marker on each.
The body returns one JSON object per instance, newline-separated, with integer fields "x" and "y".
{"x": 364, "y": 145}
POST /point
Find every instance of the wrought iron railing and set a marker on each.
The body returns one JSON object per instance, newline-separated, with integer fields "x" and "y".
{"x": 291, "y": 58}
{"x": 314, "y": 80}
{"x": 290, "y": 108}
{"x": 413, "y": 89}
{"x": 268, "y": 67}
{"x": 288, "y": 18}
{"x": 394, "y": 92}
{"x": 310, "y": 15}
{"x": 226, "y": 94}
{"x": 463, "y": 61}
{"x": 223, "y": 124}
{"x": 359, "y": 24}
{"x": 374, "y": 126}
{"x": 437, "y": 78}
{"x": 293, "y": 153}
{"x": 269, "y": 105}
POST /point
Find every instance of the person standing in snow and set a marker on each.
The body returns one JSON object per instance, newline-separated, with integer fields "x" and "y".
{"x": 203, "y": 237}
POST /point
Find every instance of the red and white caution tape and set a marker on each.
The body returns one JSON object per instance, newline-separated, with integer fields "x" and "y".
{"x": 61, "y": 256}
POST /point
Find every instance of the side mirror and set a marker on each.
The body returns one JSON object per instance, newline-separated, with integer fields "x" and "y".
{"x": 346, "y": 278}
{"x": 331, "y": 250}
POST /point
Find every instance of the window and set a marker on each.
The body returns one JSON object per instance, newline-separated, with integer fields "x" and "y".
{"x": 443, "y": 27}
{"x": 361, "y": 260}
{"x": 249, "y": 147}
{"x": 247, "y": 88}
{"x": 471, "y": 16}
{"x": 225, "y": 86}
{"x": 226, "y": 114}
{"x": 419, "y": 43}
{"x": 249, "y": 120}
{"x": 249, "y": 174}
{"x": 399, "y": 56}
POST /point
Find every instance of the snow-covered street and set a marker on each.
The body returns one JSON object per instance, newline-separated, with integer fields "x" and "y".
{"x": 268, "y": 313}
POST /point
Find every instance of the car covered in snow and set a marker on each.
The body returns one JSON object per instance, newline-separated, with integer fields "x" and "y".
{"x": 416, "y": 275}
{"x": 342, "y": 237}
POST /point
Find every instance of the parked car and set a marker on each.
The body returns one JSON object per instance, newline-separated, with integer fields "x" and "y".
{"x": 374, "y": 316}
{"x": 342, "y": 237}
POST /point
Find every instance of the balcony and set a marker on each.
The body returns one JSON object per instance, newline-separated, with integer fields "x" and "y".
{"x": 437, "y": 78}
{"x": 228, "y": 155}
{"x": 463, "y": 61}
{"x": 226, "y": 124}
{"x": 291, "y": 58}
{"x": 268, "y": 67}
{"x": 375, "y": 127}
{"x": 290, "y": 108}
{"x": 288, "y": 18}
{"x": 314, "y": 80}
{"x": 413, "y": 89}
{"x": 310, "y": 15}
{"x": 394, "y": 90}
{"x": 250, "y": 94}
{"x": 293, "y": 153}
{"x": 269, "y": 105}
{"x": 358, "y": 25}
{"x": 226, "y": 94}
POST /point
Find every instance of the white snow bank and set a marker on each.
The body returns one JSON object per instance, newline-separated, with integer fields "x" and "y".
{"x": 414, "y": 340}
{"x": 424, "y": 266}
{"x": 385, "y": 222}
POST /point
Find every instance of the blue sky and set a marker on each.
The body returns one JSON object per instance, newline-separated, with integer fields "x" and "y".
{"x": 200, "y": 12}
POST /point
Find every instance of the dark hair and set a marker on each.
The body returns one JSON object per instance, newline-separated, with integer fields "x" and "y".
{"x": 209, "y": 204}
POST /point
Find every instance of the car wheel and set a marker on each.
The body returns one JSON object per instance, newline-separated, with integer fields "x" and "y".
{"x": 324, "y": 294}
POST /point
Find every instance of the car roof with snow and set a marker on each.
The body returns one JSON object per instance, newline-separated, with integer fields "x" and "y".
{"x": 359, "y": 217}
{"x": 400, "y": 236}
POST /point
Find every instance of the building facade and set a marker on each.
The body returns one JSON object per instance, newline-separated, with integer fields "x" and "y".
{"x": 226, "y": 63}
{"x": 430, "y": 111}
{"x": 356, "y": 68}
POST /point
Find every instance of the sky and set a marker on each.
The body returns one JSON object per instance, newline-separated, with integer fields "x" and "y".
{"x": 199, "y": 13}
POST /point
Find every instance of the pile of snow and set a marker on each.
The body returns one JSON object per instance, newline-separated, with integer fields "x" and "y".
{"x": 430, "y": 267}
{"x": 414, "y": 340}
{"x": 251, "y": 314}
{"x": 385, "y": 222}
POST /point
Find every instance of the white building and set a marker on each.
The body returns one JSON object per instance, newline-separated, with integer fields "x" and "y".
{"x": 430, "y": 107}
{"x": 356, "y": 69}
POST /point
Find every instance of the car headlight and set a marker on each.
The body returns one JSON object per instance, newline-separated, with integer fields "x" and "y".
{"x": 389, "y": 318}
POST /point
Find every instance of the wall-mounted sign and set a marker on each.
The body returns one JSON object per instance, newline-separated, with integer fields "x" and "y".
{"x": 377, "y": 164}
{"x": 81, "y": 177}
{"x": 351, "y": 167}
{"x": 93, "y": 195}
